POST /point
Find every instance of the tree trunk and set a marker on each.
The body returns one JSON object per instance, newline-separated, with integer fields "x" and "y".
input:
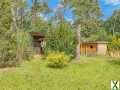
{"x": 14, "y": 26}
{"x": 14, "y": 20}
{"x": 113, "y": 30}
{"x": 78, "y": 35}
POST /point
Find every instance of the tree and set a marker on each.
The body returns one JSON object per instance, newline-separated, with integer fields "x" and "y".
{"x": 6, "y": 42}
{"x": 15, "y": 41}
{"x": 85, "y": 11}
{"x": 18, "y": 24}
{"x": 112, "y": 24}
{"x": 15, "y": 7}
{"x": 94, "y": 31}
{"x": 37, "y": 23}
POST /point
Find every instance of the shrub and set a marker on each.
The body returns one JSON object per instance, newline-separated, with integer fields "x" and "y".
{"x": 61, "y": 38}
{"x": 114, "y": 48}
{"x": 7, "y": 54}
{"x": 57, "y": 59}
{"x": 24, "y": 45}
{"x": 114, "y": 45}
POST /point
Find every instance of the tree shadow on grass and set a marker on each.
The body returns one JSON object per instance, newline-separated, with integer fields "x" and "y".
{"x": 56, "y": 67}
{"x": 114, "y": 61}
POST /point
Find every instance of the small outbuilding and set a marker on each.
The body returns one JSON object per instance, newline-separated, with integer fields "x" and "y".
{"x": 93, "y": 48}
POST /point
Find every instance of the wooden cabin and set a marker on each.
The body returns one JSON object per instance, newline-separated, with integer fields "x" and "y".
{"x": 93, "y": 48}
{"x": 37, "y": 42}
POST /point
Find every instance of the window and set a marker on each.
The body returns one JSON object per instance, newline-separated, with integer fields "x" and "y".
{"x": 91, "y": 46}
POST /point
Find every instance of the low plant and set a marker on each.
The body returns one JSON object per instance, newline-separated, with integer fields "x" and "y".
{"x": 57, "y": 59}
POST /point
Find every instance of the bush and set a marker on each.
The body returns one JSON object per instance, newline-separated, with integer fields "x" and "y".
{"x": 62, "y": 39}
{"x": 24, "y": 45}
{"x": 57, "y": 59}
{"x": 7, "y": 54}
{"x": 114, "y": 45}
{"x": 114, "y": 48}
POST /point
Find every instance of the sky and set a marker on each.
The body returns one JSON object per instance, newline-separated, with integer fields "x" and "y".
{"x": 107, "y": 7}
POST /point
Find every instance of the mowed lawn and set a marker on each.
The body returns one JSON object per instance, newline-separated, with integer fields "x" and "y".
{"x": 94, "y": 73}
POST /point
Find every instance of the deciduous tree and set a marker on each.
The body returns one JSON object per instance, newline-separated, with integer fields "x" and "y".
{"x": 85, "y": 11}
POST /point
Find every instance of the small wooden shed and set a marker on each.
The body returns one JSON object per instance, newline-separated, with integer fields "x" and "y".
{"x": 93, "y": 48}
{"x": 37, "y": 42}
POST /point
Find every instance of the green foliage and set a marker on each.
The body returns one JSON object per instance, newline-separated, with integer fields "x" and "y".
{"x": 62, "y": 39}
{"x": 15, "y": 44}
{"x": 24, "y": 45}
{"x": 16, "y": 47}
{"x": 114, "y": 45}
{"x": 7, "y": 44}
{"x": 112, "y": 24}
{"x": 5, "y": 18}
{"x": 97, "y": 35}
{"x": 7, "y": 54}
{"x": 85, "y": 10}
{"x": 57, "y": 59}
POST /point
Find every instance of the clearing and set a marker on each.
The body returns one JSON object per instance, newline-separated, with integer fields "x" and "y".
{"x": 94, "y": 74}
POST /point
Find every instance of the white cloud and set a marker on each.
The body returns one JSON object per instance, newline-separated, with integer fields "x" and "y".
{"x": 113, "y": 2}
{"x": 40, "y": 14}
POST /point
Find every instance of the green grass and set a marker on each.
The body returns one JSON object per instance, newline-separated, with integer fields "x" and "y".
{"x": 94, "y": 73}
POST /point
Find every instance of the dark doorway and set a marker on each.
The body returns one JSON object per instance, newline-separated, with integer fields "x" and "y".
{"x": 38, "y": 48}
{"x": 37, "y": 41}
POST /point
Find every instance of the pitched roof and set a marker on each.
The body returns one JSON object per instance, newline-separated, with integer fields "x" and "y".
{"x": 98, "y": 42}
{"x": 37, "y": 34}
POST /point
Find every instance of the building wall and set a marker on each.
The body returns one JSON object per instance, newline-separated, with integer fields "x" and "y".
{"x": 101, "y": 49}
{"x": 88, "y": 49}
{"x": 83, "y": 49}
{"x": 93, "y": 48}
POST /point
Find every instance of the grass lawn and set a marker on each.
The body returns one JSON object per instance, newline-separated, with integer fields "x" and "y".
{"x": 94, "y": 73}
